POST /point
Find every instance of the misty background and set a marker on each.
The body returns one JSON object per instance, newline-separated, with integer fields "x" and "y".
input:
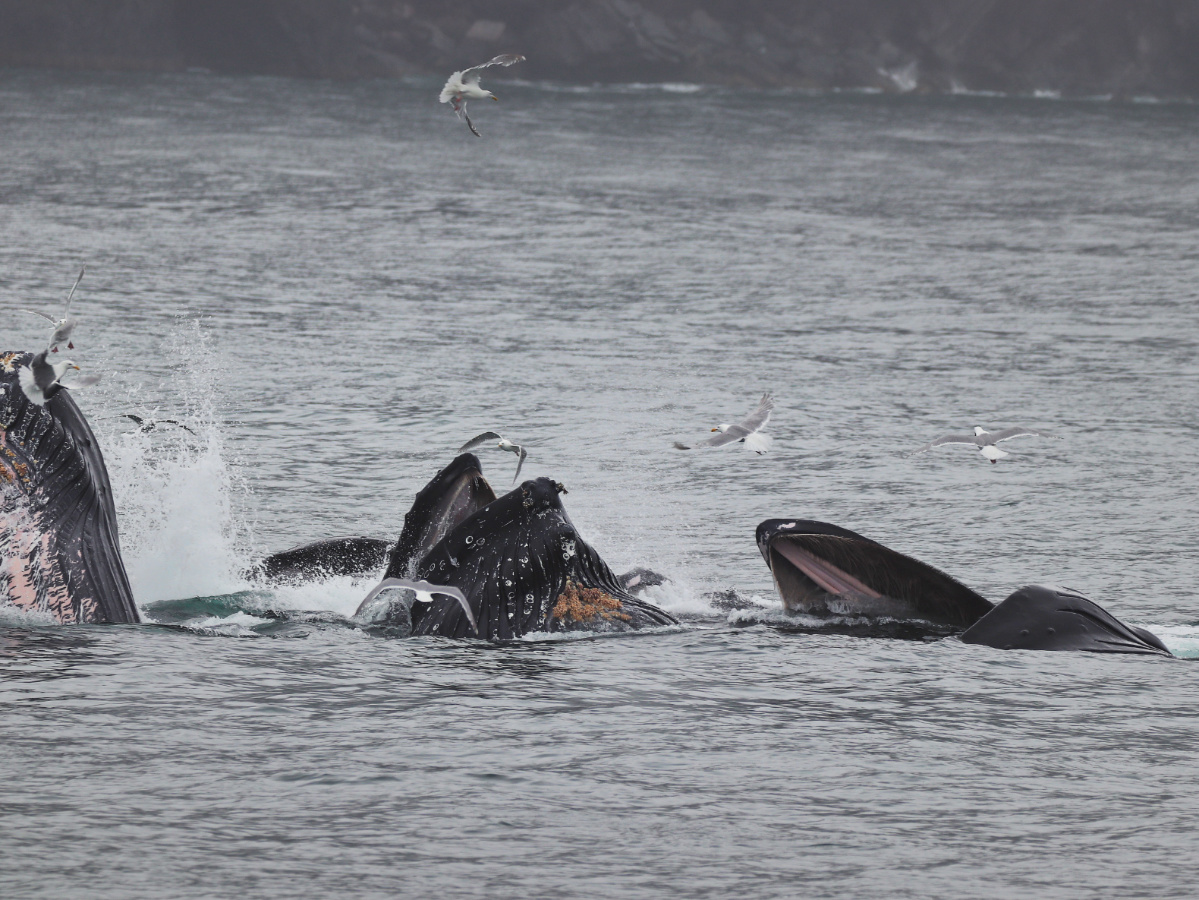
{"x": 1122, "y": 48}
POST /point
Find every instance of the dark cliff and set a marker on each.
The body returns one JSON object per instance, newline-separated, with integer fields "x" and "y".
{"x": 1122, "y": 47}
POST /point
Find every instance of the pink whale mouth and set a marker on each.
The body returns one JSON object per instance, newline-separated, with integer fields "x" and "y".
{"x": 824, "y": 573}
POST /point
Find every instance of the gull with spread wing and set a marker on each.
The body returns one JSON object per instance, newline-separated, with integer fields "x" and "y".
{"x": 40, "y": 380}
{"x": 425, "y": 593}
{"x": 502, "y": 444}
{"x": 984, "y": 440}
{"x": 464, "y": 85}
{"x": 749, "y": 431}
{"x": 64, "y": 326}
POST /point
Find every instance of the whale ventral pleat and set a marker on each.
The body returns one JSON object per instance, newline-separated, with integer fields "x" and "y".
{"x": 1037, "y": 617}
{"x": 63, "y": 542}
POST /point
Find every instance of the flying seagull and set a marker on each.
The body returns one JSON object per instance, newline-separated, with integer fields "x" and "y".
{"x": 424, "y": 594}
{"x": 748, "y": 431}
{"x": 984, "y": 440}
{"x": 64, "y": 326}
{"x": 464, "y": 85}
{"x": 40, "y": 380}
{"x": 147, "y": 425}
{"x": 503, "y": 444}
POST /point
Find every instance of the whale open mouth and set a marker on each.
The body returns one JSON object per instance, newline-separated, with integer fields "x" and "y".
{"x": 812, "y": 584}
{"x": 823, "y": 570}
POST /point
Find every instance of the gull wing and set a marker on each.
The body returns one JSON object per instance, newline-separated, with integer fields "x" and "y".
{"x": 424, "y": 587}
{"x": 735, "y": 433}
{"x": 480, "y": 440}
{"x": 947, "y": 439}
{"x": 758, "y": 418}
{"x": 523, "y": 453}
{"x": 83, "y": 381}
{"x": 1006, "y": 434}
{"x": 474, "y": 73}
{"x": 67, "y": 315}
{"x": 461, "y": 110}
{"x": 29, "y": 385}
{"x": 49, "y": 319}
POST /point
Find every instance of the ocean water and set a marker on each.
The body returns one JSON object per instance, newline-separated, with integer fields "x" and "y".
{"x": 334, "y": 285}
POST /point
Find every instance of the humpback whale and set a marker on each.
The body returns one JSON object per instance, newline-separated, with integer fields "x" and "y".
{"x": 821, "y": 569}
{"x": 523, "y": 567}
{"x": 59, "y": 550}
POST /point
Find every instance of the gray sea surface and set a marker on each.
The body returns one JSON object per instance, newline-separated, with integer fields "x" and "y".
{"x": 335, "y": 285}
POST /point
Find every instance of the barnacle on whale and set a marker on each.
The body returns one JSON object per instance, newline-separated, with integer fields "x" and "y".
{"x": 587, "y": 606}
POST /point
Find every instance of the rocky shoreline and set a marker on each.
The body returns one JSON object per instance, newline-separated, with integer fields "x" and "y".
{"x": 1122, "y": 48}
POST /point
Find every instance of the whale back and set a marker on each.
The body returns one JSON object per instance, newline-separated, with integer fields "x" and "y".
{"x": 1037, "y": 617}
{"x": 524, "y": 568}
{"x": 59, "y": 548}
{"x": 354, "y": 556}
{"x": 823, "y": 569}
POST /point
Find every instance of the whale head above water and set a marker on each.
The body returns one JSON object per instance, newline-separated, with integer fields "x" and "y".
{"x": 523, "y": 567}
{"x": 59, "y": 550}
{"x": 821, "y": 569}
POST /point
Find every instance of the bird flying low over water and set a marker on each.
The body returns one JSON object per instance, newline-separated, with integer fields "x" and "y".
{"x": 503, "y": 444}
{"x": 984, "y": 440}
{"x": 64, "y": 326}
{"x": 424, "y": 594}
{"x": 749, "y": 431}
{"x": 464, "y": 85}
{"x": 148, "y": 425}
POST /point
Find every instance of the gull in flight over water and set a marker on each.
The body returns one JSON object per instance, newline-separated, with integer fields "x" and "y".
{"x": 503, "y": 444}
{"x": 749, "y": 430}
{"x": 148, "y": 425}
{"x": 64, "y": 326}
{"x": 984, "y": 440}
{"x": 424, "y": 594}
{"x": 464, "y": 85}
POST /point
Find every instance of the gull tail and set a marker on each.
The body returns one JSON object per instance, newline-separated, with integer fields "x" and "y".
{"x": 758, "y": 442}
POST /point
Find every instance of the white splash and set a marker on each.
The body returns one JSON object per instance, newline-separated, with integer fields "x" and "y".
{"x": 175, "y": 489}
